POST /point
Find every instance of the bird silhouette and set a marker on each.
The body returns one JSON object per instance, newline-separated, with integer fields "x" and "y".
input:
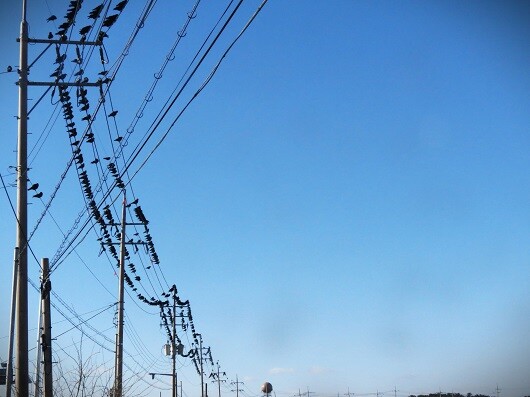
{"x": 121, "y": 5}
{"x": 51, "y": 18}
{"x": 106, "y": 158}
{"x": 86, "y": 118}
{"x": 134, "y": 202}
{"x": 113, "y": 113}
{"x": 35, "y": 186}
{"x": 110, "y": 20}
{"x": 79, "y": 73}
{"x": 102, "y": 35}
{"x": 38, "y": 195}
{"x": 50, "y": 35}
{"x": 96, "y": 12}
{"x": 95, "y": 161}
{"x": 118, "y": 139}
{"x": 84, "y": 30}
{"x": 60, "y": 59}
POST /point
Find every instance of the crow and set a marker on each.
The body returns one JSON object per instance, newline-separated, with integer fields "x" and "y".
{"x": 121, "y": 5}
{"x": 113, "y": 113}
{"x": 118, "y": 139}
{"x": 51, "y": 18}
{"x": 110, "y": 20}
{"x": 35, "y": 186}
{"x": 84, "y": 30}
{"x": 96, "y": 12}
{"x": 38, "y": 195}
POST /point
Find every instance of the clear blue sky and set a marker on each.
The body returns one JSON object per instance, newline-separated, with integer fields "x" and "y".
{"x": 346, "y": 204}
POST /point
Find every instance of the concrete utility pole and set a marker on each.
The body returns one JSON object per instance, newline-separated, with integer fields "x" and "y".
{"x": 174, "y": 346}
{"x": 200, "y": 362}
{"x": 237, "y": 383}
{"x": 118, "y": 372}
{"x": 218, "y": 376}
{"x": 47, "y": 329}
{"x": 22, "y": 370}
{"x": 21, "y": 316}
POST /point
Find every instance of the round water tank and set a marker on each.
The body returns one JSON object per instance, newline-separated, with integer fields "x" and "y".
{"x": 266, "y": 388}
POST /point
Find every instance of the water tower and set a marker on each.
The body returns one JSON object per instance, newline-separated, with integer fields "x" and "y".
{"x": 266, "y": 388}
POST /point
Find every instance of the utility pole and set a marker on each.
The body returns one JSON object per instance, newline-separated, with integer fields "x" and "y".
{"x": 21, "y": 316}
{"x": 174, "y": 346}
{"x": 22, "y": 370}
{"x": 237, "y": 383}
{"x": 39, "y": 350}
{"x": 217, "y": 376}
{"x": 497, "y": 391}
{"x": 118, "y": 373}
{"x": 47, "y": 329}
{"x": 9, "y": 369}
{"x": 200, "y": 363}
{"x": 349, "y": 394}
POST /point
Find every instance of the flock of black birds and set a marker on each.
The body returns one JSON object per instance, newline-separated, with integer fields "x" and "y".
{"x": 71, "y": 15}
{"x": 109, "y": 233}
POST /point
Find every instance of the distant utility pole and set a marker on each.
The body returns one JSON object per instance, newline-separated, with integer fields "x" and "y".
{"x": 349, "y": 394}
{"x": 46, "y": 343}
{"x": 237, "y": 389}
{"x": 497, "y": 391}
{"x": 118, "y": 361}
{"x": 217, "y": 377}
{"x": 118, "y": 371}
{"x": 395, "y": 391}
{"x": 200, "y": 363}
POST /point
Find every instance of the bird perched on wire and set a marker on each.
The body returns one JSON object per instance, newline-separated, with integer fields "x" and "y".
{"x": 84, "y": 30}
{"x": 35, "y": 186}
{"x": 51, "y": 18}
{"x": 121, "y": 5}
{"x": 38, "y": 195}
{"x": 96, "y": 11}
{"x": 110, "y": 20}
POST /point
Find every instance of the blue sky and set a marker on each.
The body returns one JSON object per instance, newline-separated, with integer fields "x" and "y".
{"x": 345, "y": 205}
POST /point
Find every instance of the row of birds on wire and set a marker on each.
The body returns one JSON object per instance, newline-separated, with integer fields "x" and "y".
{"x": 109, "y": 232}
